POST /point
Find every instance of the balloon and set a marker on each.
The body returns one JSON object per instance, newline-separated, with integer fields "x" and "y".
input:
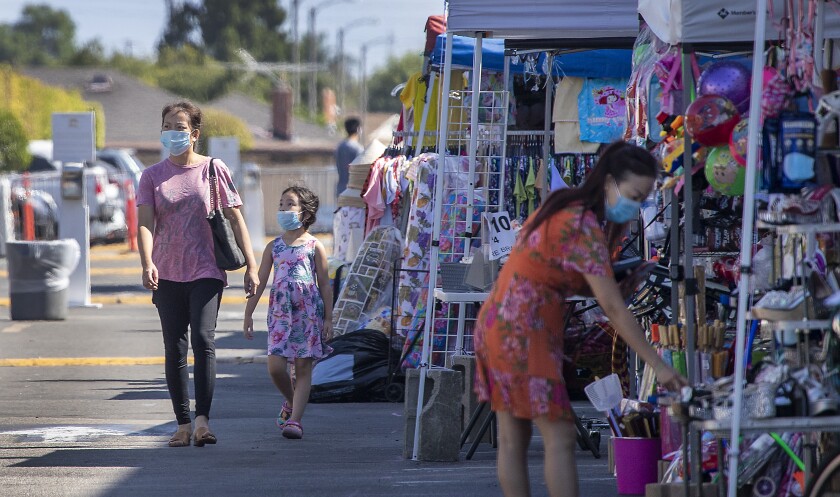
{"x": 728, "y": 79}
{"x": 710, "y": 119}
{"x": 724, "y": 173}
{"x": 738, "y": 142}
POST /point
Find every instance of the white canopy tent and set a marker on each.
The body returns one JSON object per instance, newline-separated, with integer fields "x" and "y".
{"x": 703, "y": 21}
{"x": 722, "y": 22}
{"x": 544, "y": 19}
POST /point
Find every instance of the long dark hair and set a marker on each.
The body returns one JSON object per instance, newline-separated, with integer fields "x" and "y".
{"x": 617, "y": 160}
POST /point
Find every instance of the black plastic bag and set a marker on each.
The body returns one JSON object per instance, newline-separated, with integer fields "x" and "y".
{"x": 356, "y": 371}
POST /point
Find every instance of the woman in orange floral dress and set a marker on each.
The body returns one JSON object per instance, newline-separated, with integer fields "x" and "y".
{"x": 561, "y": 251}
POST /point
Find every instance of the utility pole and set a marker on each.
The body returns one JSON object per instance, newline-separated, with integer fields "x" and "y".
{"x": 341, "y": 69}
{"x": 313, "y": 59}
{"x": 296, "y": 85}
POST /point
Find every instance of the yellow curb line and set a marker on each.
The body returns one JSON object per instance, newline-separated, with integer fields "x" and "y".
{"x": 84, "y": 361}
{"x": 141, "y": 299}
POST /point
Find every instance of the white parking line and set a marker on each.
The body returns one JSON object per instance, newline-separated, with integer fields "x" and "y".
{"x": 15, "y": 327}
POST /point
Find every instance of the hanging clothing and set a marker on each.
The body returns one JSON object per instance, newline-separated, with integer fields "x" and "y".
{"x": 413, "y": 97}
{"x": 348, "y": 232}
{"x": 566, "y": 119}
{"x": 602, "y": 109}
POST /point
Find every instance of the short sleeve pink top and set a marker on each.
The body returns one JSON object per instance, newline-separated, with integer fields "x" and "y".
{"x": 180, "y": 196}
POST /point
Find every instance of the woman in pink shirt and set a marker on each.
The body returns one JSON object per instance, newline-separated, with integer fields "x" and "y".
{"x": 179, "y": 265}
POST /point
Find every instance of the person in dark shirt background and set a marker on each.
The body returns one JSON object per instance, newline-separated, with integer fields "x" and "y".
{"x": 347, "y": 150}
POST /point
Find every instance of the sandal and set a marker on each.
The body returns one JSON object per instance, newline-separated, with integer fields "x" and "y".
{"x": 284, "y": 414}
{"x": 180, "y": 439}
{"x": 293, "y": 430}
{"x": 203, "y": 436}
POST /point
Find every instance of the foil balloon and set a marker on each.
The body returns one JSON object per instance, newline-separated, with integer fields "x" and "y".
{"x": 724, "y": 173}
{"x": 728, "y": 79}
{"x": 710, "y": 119}
{"x": 738, "y": 142}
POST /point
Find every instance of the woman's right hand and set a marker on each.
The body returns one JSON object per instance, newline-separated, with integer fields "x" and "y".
{"x": 150, "y": 277}
{"x": 669, "y": 378}
{"x": 248, "y": 327}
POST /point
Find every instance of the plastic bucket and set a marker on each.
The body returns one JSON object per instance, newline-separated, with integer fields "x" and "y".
{"x": 636, "y": 463}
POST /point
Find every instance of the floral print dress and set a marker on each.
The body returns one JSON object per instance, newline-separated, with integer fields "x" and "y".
{"x": 295, "y": 306}
{"x": 519, "y": 334}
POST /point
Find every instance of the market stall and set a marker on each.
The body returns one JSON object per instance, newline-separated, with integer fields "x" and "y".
{"x": 726, "y": 25}
{"x": 546, "y": 25}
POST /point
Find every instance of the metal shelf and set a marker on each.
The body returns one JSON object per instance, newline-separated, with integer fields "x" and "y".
{"x": 800, "y": 229}
{"x": 798, "y": 425}
{"x": 803, "y": 325}
{"x": 461, "y": 297}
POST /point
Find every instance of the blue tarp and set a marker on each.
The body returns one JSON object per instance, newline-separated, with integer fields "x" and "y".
{"x": 590, "y": 63}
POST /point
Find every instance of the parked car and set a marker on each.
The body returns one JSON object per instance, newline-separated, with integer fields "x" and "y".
{"x": 44, "y": 212}
{"x": 122, "y": 161}
{"x": 100, "y": 83}
{"x": 105, "y": 197}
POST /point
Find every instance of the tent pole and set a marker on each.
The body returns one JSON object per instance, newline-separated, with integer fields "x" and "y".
{"x": 689, "y": 281}
{"x": 747, "y": 226}
{"x": 443, "y": 126}
{"x": 474, "y": 131}
{"x": 819, "y": 43}
{"x": 422, "y": 134}
{"x": 549, "y": 98}
{"x": 508, "y": 86}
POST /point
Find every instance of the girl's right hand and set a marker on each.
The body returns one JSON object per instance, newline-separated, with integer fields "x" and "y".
{"x": 248, "y": 328}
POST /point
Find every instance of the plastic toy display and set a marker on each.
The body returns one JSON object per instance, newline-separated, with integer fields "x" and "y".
{"x": 738, "y": 142}
{"x": 728, "y": 79}
{"x": 710, "y": 120}
{"x": 723, "y": 172}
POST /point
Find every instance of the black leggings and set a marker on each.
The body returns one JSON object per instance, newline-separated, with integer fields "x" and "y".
{"x": 193, "y": 304}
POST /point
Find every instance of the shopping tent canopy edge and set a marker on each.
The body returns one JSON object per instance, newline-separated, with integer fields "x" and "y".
{"x": 615, "y": 63}
{"x": 544, "y": 19}
{"x": 716, "y": 21}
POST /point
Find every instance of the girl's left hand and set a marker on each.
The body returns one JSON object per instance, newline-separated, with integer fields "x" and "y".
{"x": 328, "y": 330}
{"x": 252, "y": 281}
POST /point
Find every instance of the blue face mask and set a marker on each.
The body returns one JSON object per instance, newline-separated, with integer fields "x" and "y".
{"x": 177, "y": 142}
{"x": 624, "y": 209}
{"x": 798, "y": 167}
{"x": 288, "y": 220}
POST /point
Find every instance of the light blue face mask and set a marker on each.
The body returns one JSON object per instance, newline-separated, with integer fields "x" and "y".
{"x": 798, "y": 167}
{"x": 177, "y": 142}
{"x": 624, "y": 209}
{"x": 288, "y": 220}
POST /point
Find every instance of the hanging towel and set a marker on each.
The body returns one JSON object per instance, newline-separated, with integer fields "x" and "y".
{"x": 530, "y": 186}
{"x": 519, "y": 193}
{"x": 565, "y": 117}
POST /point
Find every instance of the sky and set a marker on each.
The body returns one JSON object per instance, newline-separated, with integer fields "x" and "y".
{"x": 139, "y": 23}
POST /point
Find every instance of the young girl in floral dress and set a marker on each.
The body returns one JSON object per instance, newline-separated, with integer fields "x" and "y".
{"x": 300, "y": 305}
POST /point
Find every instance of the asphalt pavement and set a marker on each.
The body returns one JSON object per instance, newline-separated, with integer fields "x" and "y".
{"x": 84, "y": 411}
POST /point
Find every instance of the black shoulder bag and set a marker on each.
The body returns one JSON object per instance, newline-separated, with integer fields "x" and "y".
{"x": 228, "y": 254}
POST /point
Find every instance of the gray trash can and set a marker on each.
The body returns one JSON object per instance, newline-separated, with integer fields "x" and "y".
{"x": 39, "y": 275}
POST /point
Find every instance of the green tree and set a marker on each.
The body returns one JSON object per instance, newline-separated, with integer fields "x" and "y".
{"x": 91, "y": 53}
{"x": 182, "y": 25}
{"x": 254, "y": 25}
{"x": 13, "y": 142}
{"x": 49, "y": 34}
{"x": 396, "y": 71}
